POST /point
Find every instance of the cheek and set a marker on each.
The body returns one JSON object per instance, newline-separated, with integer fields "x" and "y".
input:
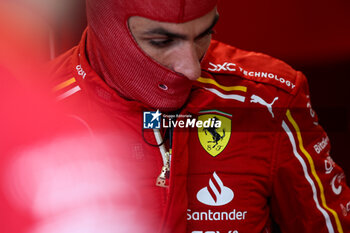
{"x": 164, "y": 57}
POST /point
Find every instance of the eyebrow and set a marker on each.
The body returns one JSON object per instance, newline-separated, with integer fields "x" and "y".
{"x": 164, "y": 32}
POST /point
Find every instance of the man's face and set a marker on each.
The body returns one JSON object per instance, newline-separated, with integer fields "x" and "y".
{"x": 179, "y": 47}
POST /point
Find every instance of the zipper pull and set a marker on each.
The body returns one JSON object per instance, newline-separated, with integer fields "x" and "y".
{"x": 162, "y": 180}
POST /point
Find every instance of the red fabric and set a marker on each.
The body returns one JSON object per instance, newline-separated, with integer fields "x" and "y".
{"x": 259, "y": 164}
{"x": 116, "y": 57}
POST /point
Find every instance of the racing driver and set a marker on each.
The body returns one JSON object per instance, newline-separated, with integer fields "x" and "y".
{"x": 261, "y": 163}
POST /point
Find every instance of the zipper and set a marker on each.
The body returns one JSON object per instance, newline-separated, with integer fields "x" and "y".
{"x": 164, "y": 176}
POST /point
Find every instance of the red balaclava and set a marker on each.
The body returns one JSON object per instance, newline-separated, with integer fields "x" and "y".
{"x": 115, "y": 56}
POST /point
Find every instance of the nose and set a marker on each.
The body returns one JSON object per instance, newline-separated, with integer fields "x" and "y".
{"x": 187, "y": 62}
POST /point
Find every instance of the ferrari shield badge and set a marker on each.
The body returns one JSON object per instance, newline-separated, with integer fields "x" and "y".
{"x": 214, "y": 138}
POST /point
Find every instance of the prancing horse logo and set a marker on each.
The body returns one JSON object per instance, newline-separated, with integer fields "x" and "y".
{"x": 214, "y": 133}
{"x": 214, "y": 139}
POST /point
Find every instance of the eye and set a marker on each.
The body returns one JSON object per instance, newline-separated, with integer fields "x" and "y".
{"x": 210, "y": 32}
{"x": 161, "y": 43}
{"x": 206, "y": 34}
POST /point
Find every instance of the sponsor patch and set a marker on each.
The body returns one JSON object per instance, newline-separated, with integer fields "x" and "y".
{"x": 214, "y": 139}
{"x": 216, "y": 194}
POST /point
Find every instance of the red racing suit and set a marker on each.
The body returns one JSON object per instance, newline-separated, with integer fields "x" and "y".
{"x": 267, "y": 162}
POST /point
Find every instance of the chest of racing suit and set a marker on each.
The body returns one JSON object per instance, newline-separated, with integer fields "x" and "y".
{"x": 267, "y": 162}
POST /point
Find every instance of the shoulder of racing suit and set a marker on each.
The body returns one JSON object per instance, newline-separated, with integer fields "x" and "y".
{"x": 305, "y": 181}
{"x": 58, "y": 67}
{"x": 225, "y": 60}
{"x": 63, "y": 76}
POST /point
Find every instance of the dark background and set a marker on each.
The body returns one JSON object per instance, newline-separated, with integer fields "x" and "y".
{"x": 312, "y": 36}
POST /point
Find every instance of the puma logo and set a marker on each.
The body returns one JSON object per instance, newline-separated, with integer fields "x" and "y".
{"x": 259, "y": 100}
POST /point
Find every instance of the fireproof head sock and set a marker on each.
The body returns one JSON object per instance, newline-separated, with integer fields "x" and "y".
{"x": 116, "y": 57}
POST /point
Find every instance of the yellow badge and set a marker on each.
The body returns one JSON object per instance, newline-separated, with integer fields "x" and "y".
{"x": 216, "y": 131}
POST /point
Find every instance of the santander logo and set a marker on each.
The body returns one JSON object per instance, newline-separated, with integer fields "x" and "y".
{"x": 216, "y": 194}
